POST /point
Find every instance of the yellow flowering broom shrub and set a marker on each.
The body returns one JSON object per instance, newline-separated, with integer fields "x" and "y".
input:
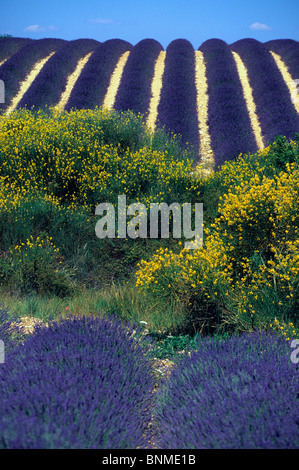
{"x": 56, "y": 167}
{"x": 90, "y": 156}
{"x": 247, "y": 272}
{"x": 34, "y": 265}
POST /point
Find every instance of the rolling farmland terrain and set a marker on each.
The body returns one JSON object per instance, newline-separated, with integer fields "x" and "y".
{"x": 222, "y": 99}
{"x": 138, "y": 342}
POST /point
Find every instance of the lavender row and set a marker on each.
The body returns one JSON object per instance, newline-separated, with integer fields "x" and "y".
{"x": 228, "y": 120}
{"x": 238, "y": 393}
{"x": 86, "y": 383}
{"x": 92, "y": 84}
{"x": 15, "y": 69}
{"x": 51, "y": 81}
{"x": 11, "y": 331}
{"x": 134, "y": 92}
{"x": 9, "y": 46}
{"x": 177, "y": 109}
{"x": 288, "y": 49}
{"x": 274, "y": 107}
{"x": 82, "y": 383}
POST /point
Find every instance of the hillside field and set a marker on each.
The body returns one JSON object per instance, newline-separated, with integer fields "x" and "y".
{"x": 136, "y": 341}
{"x": 222, "y": 99}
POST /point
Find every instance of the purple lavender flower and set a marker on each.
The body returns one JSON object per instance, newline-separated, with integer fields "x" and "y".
{"x": 92, "y": 84}
{"x": 11, "y": 330}
{"x": 274, "y": 107}
{"x": 229, "y": 123}
{"x": 81, "y": 383}
{"x": 9, "y": 46}
{"x": 134, "y": 92}
{"x": 288, "y": 49}
{"x": 177, "y": 109}
{"x": 239, "y": 393}
{"x": 48, "y": 86}
{"x": 20, "y": 64}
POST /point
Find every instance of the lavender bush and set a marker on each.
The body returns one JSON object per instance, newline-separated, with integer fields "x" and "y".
{"x": 228, "y": 119}
{"x": 82, "y": 383}
{"x": 288, "y": 49}
{"x": 11, "y": 330}
{"x": 46, "y": 90}
{"x": 92, "y": 84}
{"x": 20, "y": 64}
{"x": 177, "y": 109}
{"x": 134, "y": 92}
{"x": 274, "y": 107}
{"x": 241, "y": 392}
{"x": 9, "y": 46}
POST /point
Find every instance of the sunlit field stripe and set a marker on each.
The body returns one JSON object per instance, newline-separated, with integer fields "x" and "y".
{"x": 207, "y": 161}
{"x": 115, "y": 81}
{"x": 1, "y": 63}
{"x": 292, "y": 86}
{"x": 156, "y": 90}
{"x": 72, "y": 78}
{"x": 27, "y": 82}
{"x": 247, "y": 91}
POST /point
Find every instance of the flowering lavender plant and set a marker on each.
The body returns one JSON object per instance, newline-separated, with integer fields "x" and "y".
{"x": 9, "y": 46}
{"x": 288, "y": 49}
{"x": 92, "y": 84}
{"x": 134, "y": 92}
{"x": 271, "y": 95}
{"x": 11, "y": 330}
{"x": 177, "y": 109}
{"x": 19, "y": 65}
{"x": 46, "y": 90}
{"x": 228, "y": 119}
{"x": 82, "y": 383}
{"x": 240, "y": 392}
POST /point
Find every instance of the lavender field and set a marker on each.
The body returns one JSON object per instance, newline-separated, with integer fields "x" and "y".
{"x": 223, "y": 99}
{"x": 134, "y": 342}
{"x": 87, "y": 383}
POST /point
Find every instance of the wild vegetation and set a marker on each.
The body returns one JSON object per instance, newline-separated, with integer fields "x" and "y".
{"x": 114, "y": 306}
{"x": 249, "y": 86}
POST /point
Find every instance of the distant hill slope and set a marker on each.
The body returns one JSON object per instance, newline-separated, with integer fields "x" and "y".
{"x": 222, "y": 99}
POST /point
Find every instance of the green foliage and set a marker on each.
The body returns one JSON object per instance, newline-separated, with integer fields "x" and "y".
{"x": 57, "y": 167}
{"x": 282, "y": 153}
{"x": 34, "y": 265}
{"x": 169, "y": 346}
{"x": 247, "y": 273}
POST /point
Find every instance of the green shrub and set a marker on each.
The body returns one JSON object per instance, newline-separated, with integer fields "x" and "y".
{"x": 247, "y": 272}
{"x": 34, "y": 265}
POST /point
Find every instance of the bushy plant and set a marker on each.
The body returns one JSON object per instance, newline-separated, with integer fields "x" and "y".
{"x": 91, "y": 156}
{"x": 229, "y": 124}
{"x": 82, "y": 383}
{"x": 168, "y": 346}
{"x": 11, "y": 330}
{"x": 57, "y": 167}
{"x": 92, "y": 84}
{"x": 177, "y": 106}
{"x": 282, "y": 152}
{"x": 34, "y": 265}
{"x": 246, "y": 274}
{"x": 277, "y": 115}
{"x": 237, "y": 393}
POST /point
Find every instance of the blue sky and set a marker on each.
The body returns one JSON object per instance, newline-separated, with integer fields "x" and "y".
{"x": 163, "y": 20}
